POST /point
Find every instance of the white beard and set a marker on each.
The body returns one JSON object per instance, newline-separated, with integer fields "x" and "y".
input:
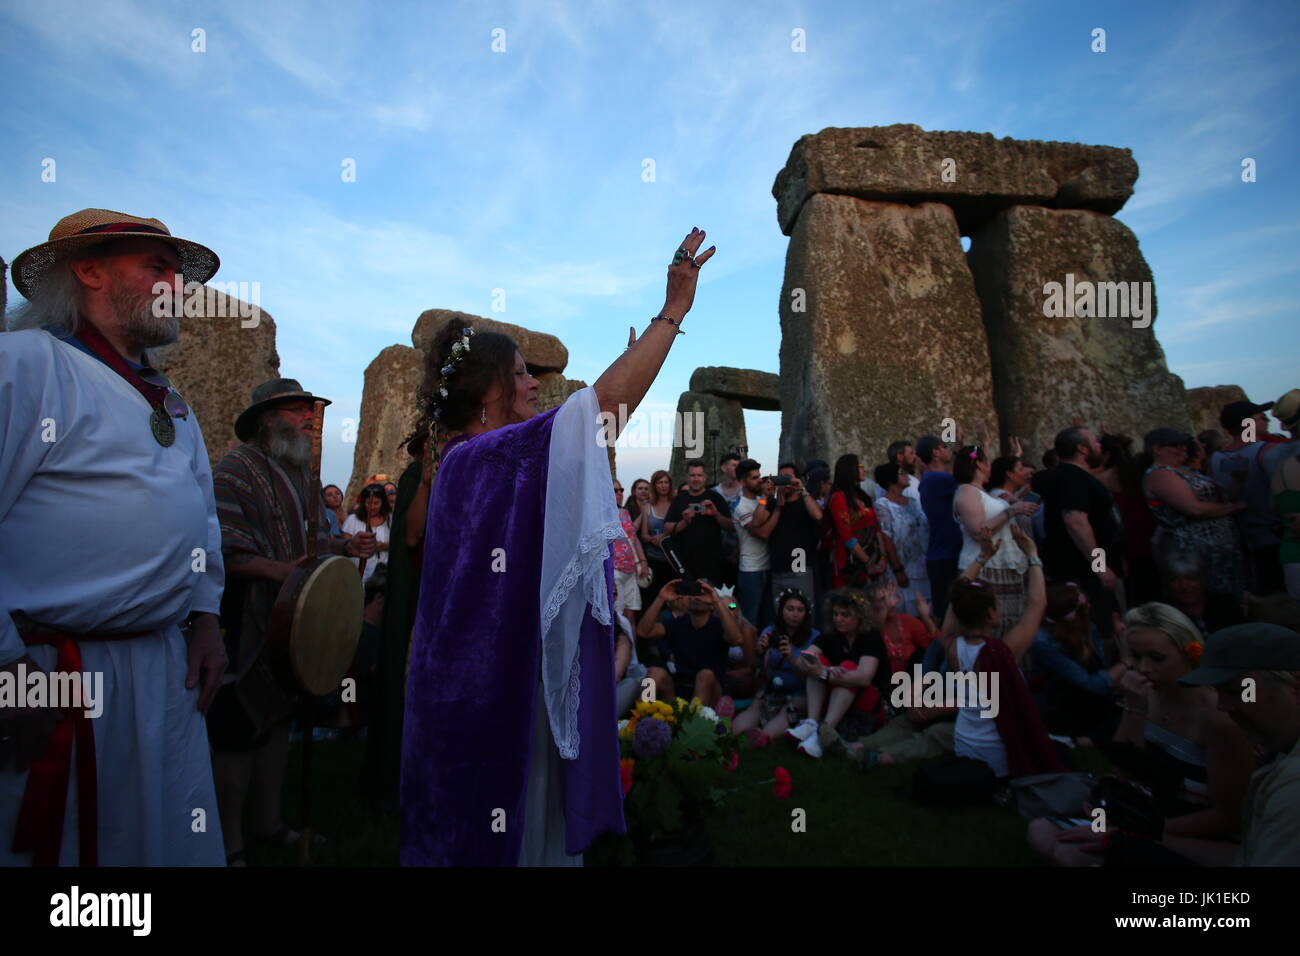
{"x": 141, "y": 327}
{"x": 288, "y": 445}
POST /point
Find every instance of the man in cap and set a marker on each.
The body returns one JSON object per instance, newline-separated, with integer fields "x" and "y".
{"x": 109, "y": 545}
{"x": 1256, "y": 670}
{"x": 1232, "y": 468}
{"x": 263, "y": 502}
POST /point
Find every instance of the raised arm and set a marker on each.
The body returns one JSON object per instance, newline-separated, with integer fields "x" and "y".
{"x": 1020, "y": 635}
{"x": 623, "y": 385}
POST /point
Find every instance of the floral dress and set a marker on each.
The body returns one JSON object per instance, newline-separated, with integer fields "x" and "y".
{"x": 1215, "y": 540}
{"x": 910, "y": 531}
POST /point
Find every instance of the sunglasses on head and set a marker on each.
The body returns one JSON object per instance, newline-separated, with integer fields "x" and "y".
{"x": 173, "y": 404}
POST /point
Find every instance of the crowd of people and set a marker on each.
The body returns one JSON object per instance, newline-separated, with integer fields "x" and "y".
{"x": 1144, "y": 602}
{"x": 1088, "y": 584}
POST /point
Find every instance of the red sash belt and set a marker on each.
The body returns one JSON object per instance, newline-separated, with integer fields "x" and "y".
{"x": 40, "y": 821}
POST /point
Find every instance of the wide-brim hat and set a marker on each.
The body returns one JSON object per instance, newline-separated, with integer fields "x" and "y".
{"x": 91, "y": 227}
{"x": 1287, "y": 408}
{"x": 268, "y": 395}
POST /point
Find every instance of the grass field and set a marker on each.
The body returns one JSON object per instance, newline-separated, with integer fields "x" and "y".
{"x": 852, "y": 818}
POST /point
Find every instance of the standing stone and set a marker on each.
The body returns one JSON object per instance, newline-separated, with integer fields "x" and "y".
{"x": 387, "y": 415}
{"x": 542, "y": 352}
{"x": 392, "y": 381}
{"x": 708, "y": 427}
{"x": 217, "y": 362}
{"x": 760, "y": 391}
{"x": 881, "y": 336}
{"x": 1204, "y": 405}
{"x": 1046, "y": 370}
{"x": 974, "y": 173}
{"x": 555, "y": 388}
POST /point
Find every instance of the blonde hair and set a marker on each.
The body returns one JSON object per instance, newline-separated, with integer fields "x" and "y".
{"x": 1176, "y": 625}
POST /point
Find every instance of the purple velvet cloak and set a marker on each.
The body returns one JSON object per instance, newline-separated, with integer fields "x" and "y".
{"x": 475, "y": 665}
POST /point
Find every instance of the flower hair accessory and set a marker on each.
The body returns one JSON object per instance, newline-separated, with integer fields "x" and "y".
{"x": 1194, "y": 650}
{"x": 459, "y": 350}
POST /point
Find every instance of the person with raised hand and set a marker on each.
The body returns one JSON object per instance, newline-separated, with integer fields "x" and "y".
{"x": 519, "y": 523}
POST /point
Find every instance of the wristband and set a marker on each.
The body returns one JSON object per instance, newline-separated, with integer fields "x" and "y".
{"x": 675, "y": 323}
{"x": 1035, "y": 561}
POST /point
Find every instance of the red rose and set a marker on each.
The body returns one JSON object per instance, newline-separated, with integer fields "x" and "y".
{"x": 625, "y": 775}
{"x": 783, "y": 787}
{"x": 734, "y": 762}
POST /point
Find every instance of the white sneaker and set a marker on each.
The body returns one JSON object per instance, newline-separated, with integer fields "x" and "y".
{"x": 806, "y": 728}
{"x": 812, "y": 747}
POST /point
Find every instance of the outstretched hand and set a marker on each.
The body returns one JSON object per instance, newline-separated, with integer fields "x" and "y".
{"x": 683, "y": 275}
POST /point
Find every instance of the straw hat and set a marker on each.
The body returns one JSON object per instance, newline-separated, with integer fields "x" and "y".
{"x": 90, "y": 227}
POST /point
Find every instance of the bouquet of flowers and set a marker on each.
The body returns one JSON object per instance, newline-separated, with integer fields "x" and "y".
{"x": 676, "y": 763}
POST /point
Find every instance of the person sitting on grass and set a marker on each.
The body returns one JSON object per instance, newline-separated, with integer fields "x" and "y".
{"x": 925, "y": 732}
{"x": 628, "y": 671}
{"x": 783, "y": 696}
{"x": 1077, "y": 696}
{"x": 1173, "y": 739}
{"x": 698, "y": 643}
{"x": 844, "y": 668}
{"x": 741, "y": 681}
{"x": 906, "y": 637}
{"x": 1004, "y": 730}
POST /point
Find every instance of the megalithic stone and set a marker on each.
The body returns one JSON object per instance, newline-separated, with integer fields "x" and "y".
{"x": 217, "y": 362}
{"x": 388, "y": 411}
{"x": 881, "y": 335}
{"x": 707, "y": 427}
{"x": 1047, "y": 368}
{"x": 1204, "y": 405}
{"x": 974, "y": 173}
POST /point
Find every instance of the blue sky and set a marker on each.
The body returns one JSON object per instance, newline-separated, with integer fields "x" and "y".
{"x": 522, "y": 170}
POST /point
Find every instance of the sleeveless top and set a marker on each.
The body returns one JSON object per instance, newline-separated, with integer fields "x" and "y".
{"x": 654, "y": 525}
{"x": 1171, "y": 765}
{"x": 1009, "y": 555}
{"x": 975, "y": 736}
{"x": 1216, "y": 540}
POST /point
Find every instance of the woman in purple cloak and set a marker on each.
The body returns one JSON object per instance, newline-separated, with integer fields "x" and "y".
{"x": 510, "y": 748}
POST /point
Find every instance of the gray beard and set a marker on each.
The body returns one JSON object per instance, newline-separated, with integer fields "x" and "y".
{"x": 139, "y": 324}
{"x": 288, "y": 445}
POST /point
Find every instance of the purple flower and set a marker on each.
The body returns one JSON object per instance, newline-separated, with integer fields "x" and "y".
{"x": 652, "y": 737}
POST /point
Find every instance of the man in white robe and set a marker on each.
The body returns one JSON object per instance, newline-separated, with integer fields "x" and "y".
{"x": 106, "y": 529}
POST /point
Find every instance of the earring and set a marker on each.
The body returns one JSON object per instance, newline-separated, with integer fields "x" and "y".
{"x": 483, "y": 416}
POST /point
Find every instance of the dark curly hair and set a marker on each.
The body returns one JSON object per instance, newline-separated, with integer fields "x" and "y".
{"x": 490, "y": 361}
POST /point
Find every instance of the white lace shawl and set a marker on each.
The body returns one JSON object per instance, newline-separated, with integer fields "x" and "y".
{"x": 580, "y": 522}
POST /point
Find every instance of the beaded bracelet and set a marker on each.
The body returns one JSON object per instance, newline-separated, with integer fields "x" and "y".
{"x": 675, "y": 323}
